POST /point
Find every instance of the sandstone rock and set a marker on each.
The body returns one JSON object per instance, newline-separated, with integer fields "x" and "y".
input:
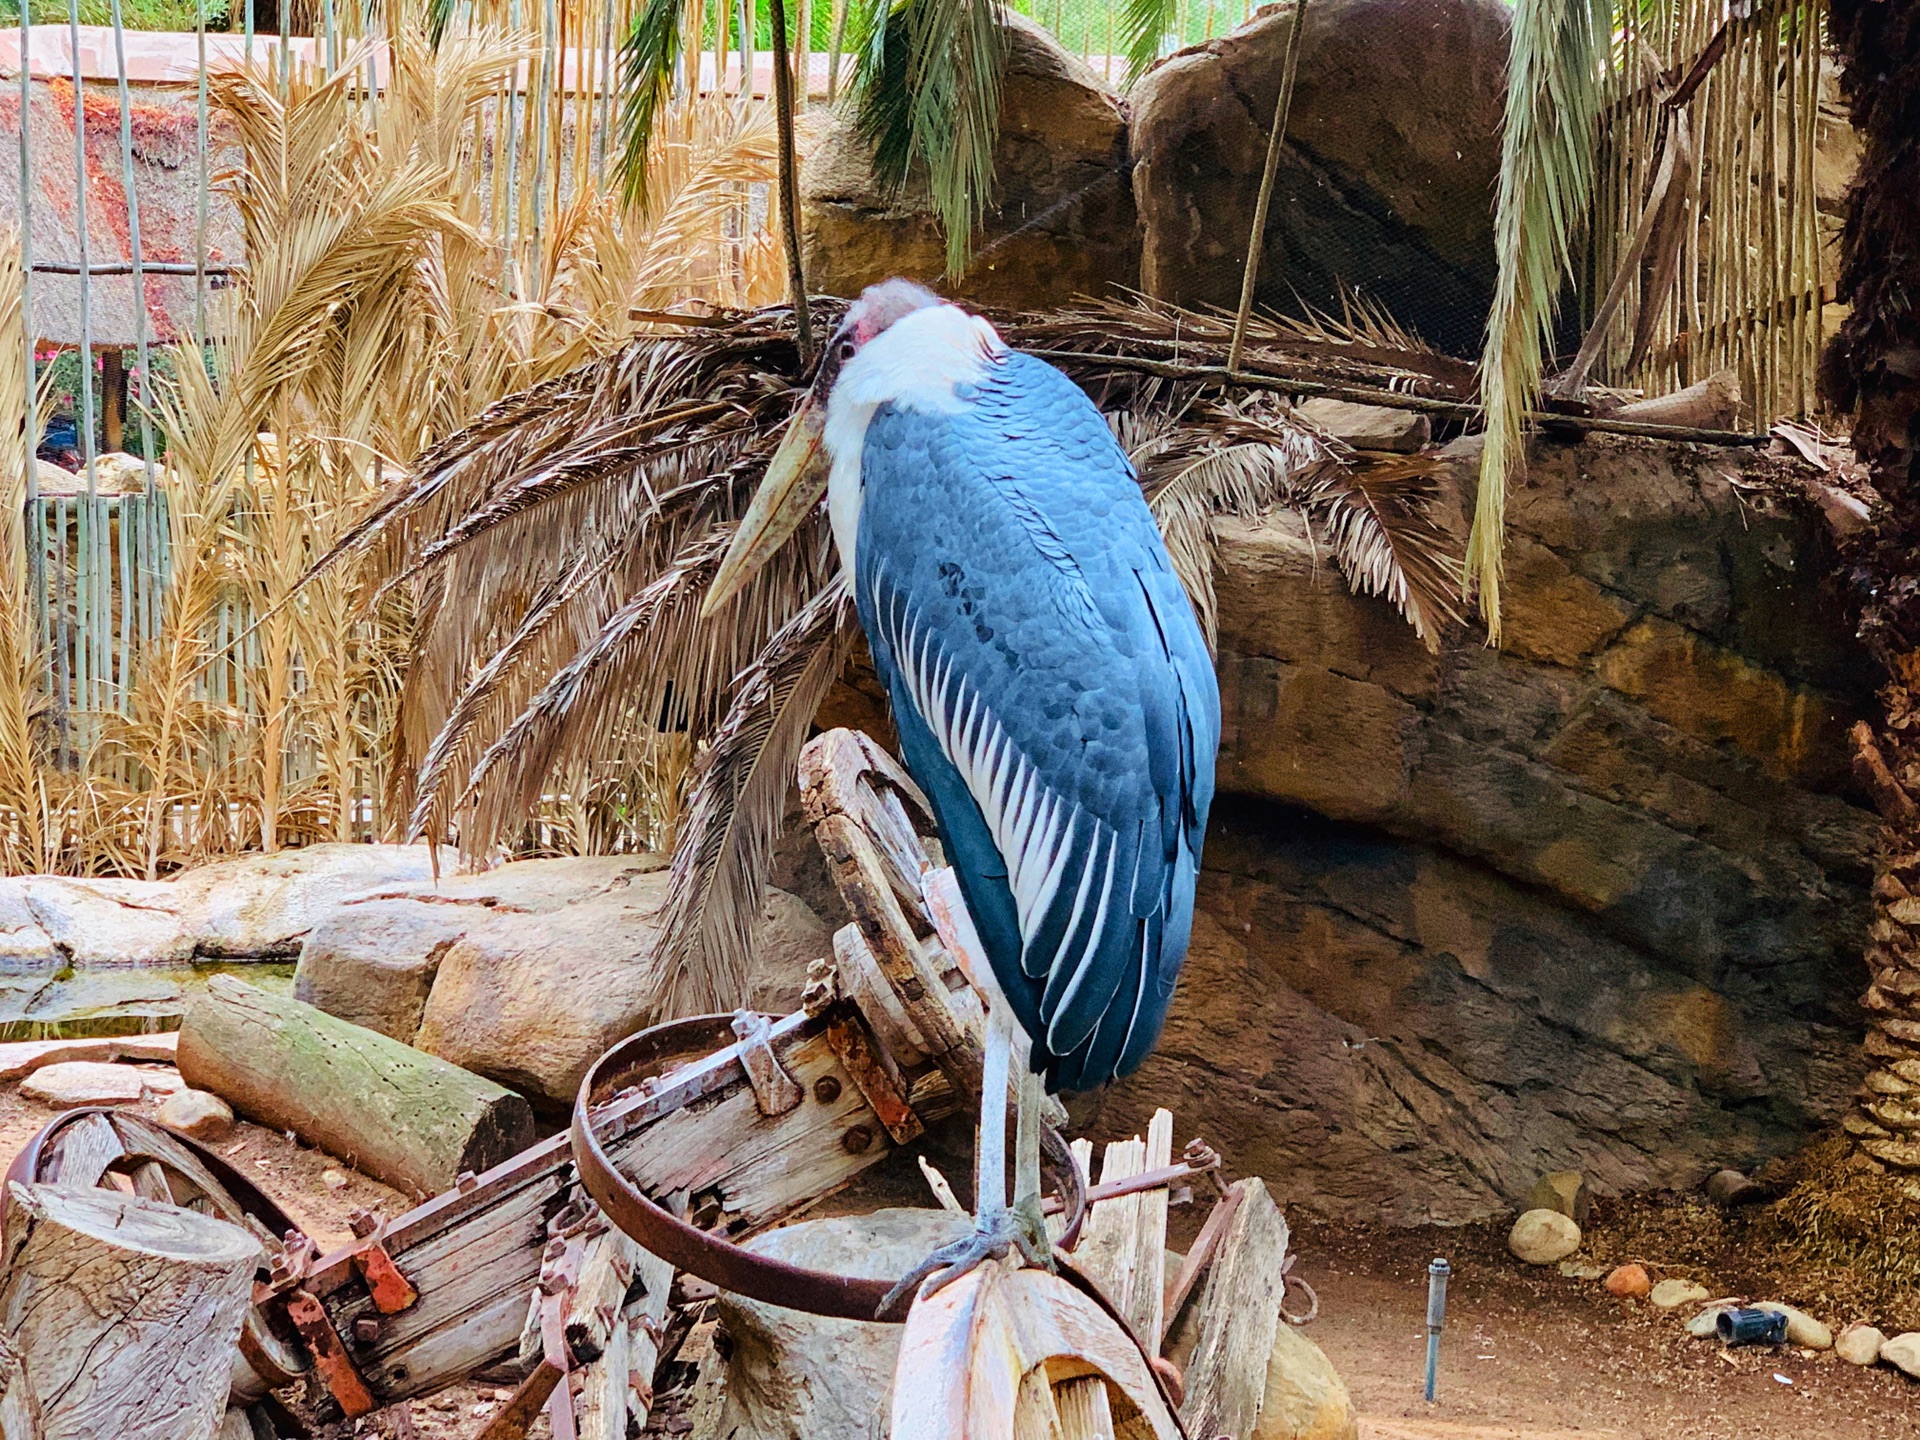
{"x": 1541, "y": 1237}
{"x": 1563, "y": 1190}
{"x": 1386, "y": 184}
{"x": 111, "y": 922}
{"x": 1501, "y": 917}
{"x": 374, "y": 963}
{"x": 1306, "y": 1398}
{"x": 1903, "y": 1352}
{"x": 1672, "y": 1294}
{"x": 530, "y": 1000}
{"x": 1368, "y": 427}
{"x": 1063, "y": 225}
{"x": 1582, "y": 1270}
{"x": 334, "y": 1180}
{"x": 83, "y": 1082}
{"x": 196, "y": 1113}
{"x": 23, "y": 1057}
{"x": 793, "y": 1376}
{"x": 1629, "y": 1282}
{"x": 161, "y": 1079}
{"x": 263, "y": 906}
{"x": 1802, "y": 1328}
{"x": 1859, "y": 1344}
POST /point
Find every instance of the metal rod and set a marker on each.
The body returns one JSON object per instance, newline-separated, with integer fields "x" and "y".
{"x": 80, "y": 221}
{"x": 125, "y": 267}
{"x": 1437, "y": 1274}
{"x": 1256, "y": 238}
{"x": 201, "y": 199}
{"x": 133, "y": 241}
{"x": 30, "y": 411}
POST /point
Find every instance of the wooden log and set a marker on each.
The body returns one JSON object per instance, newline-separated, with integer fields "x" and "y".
{"x": 125, "y": 1313}
{"x": 1713, "y": 402}
{"x": 1239, "y": 1315}
{"x": 393, "y": 1112}
{"x": 1123, "y": 1244}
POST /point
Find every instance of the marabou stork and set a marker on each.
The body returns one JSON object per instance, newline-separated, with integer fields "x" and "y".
{"x": 1053, "y": 694}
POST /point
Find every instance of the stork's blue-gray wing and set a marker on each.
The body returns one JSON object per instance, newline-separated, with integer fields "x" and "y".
{"x": 1054, "y": 696}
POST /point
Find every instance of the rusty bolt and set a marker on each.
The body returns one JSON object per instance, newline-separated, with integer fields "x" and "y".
{"x": 556, "y": 1247}
{"x": 465, "y": 1181}
{"x": 366, "y": 1330}
{"x": 857, "y": 1139}
{"x": 363, "y": 1223}
{"x": 826, "y": 1089}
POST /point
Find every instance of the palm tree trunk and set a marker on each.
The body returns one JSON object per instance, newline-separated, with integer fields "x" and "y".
{"x": 789, "y": 179}
{"x": 1873, "y": 370}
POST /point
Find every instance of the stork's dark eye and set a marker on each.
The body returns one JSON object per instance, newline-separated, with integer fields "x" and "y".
{"x": 845, "y": 352}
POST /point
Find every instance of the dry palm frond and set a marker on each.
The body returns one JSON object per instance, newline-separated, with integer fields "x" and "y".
{"x": 557, "y": 552}
{"x": 1546, "y": 176}
{"x": 739, "y": 797}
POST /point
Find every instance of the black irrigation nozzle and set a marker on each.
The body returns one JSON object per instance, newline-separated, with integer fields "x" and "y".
{"x": 1751, "y": 1327}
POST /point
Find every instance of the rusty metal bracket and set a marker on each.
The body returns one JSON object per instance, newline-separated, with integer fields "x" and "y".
{"x": 392, "y": 1292}
{"x": 330, "y": 1358}
{"x": 774, "y": 1091}
{"x": 873, "y": 1073}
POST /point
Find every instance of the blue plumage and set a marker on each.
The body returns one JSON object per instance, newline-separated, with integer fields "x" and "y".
{"x": 1054, "y": 696}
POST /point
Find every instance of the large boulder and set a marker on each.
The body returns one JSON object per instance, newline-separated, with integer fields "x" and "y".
{"x": 1386, "y": 184}
{"x": 1063, "y": 222}
{"x": 530, "y": 994}
{"x": 1594, "y": 900}
{"x": 794, "y": 1376}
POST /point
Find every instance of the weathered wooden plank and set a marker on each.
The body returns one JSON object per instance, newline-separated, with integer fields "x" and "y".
{"x": 1085, "y": 1409}
{"x": 83, "y": 1151}
{"x": 1239, "y": 1314}
{"x": 1124, "y": 1242}
{"x": 1035, "y": 1416}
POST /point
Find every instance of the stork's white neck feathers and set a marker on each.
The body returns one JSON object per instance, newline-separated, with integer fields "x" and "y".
{"x": 915, "y": 364}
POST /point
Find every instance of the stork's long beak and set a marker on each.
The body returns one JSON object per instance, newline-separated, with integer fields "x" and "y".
{"x": 796, "y": 479}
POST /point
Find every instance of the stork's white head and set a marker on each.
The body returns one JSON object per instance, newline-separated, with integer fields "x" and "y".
{"x": 899, "y": 343}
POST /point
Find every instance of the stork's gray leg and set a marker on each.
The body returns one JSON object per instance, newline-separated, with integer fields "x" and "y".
{"x": 996, "y": 1230}
{"x": 1028, "y": 1100}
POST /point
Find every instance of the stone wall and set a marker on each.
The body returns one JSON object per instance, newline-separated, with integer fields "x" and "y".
{"x": 1595, "y": 899}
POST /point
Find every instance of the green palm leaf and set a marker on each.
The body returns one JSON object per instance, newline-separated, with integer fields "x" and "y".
{"x": 1143, "y": 29}
{"x": 648, "y": 57}
{"x": 1546, "y": 179}
{"x": 929, "y": 103}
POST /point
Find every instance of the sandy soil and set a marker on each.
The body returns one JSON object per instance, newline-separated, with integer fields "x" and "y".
{"x": 1528, "y": 1354}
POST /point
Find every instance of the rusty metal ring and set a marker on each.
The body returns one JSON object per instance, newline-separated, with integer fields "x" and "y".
{"x": 700, "y": 1252}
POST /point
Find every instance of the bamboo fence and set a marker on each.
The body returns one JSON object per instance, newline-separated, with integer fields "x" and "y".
{"x": 1752, "y": 281}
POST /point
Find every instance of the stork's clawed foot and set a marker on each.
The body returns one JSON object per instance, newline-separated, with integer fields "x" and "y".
{"x": 994, "y": 1237}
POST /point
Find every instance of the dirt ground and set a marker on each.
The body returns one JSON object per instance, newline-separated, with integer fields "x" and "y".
{"x": 1528, "y": 1353}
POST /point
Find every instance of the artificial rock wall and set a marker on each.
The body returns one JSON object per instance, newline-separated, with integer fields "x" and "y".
{"x": 1591, "y": 900}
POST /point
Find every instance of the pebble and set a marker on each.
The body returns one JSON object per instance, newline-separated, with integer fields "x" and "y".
{"x": 1859, "y": 1344}
{"x": 1731, "y": 1188}
{"x": 1629, "y": 1282}
{"x": 1705, "y": 1325}
{"x": 1672, "y": 1294}
{"x": 334, "y": 1179}
{"x": 1903, "y": 1352}
{"x": 1582, "y": 1270}
{"x": 1541, "y": 1237}
{"x": 1802, "y": 1328}
{"x": 83, "y": 1082}
{"x": 198, "y": 1114}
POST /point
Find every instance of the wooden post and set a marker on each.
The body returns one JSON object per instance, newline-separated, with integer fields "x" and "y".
{"x": 125, "y": 1313}
{"x": 397, "y": 1113}
{"x": 1239, "y": 1315}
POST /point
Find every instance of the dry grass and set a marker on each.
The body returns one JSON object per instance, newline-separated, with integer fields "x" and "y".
{"x": 390, "y": 298}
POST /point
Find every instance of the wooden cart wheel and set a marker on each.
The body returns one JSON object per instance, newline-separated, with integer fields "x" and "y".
{"x": 112, "y": 1149}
